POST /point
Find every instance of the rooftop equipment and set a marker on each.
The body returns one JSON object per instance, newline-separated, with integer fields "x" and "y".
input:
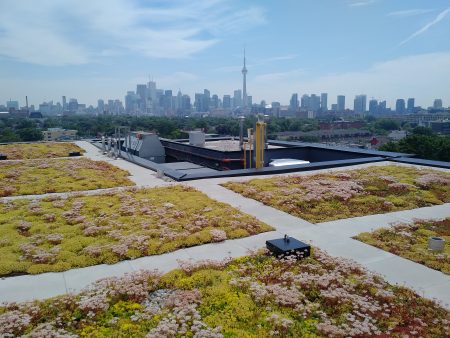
{"x": 287, "y": 246}
{"x": 146, "y": 145}
{"x": 197, "y": 138}
{"x": 436, "y": 244}
{"x": 286, "y": 161}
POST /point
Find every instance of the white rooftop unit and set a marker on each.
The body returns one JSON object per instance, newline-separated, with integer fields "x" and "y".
{"x": 148, "y": 146}
{"x": 286, "y": 161}
{"x": 197, "y": 138}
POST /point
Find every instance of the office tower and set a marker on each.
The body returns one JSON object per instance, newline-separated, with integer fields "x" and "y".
{"x": 198, "y": 102}
{"x": 100, "y": 105}
{"x": 72, "y": 105}
{"x": 276, "y": 108}
{"x": 437, "y": 104}
{"x": 64, "y": 103}
{"x": 249, "y": 100}
{"x": 334, "y": 107}
{"x": 314, "y": 102}
{"x": 237, "y": 98}
{"x": 215, "y": 101}
{"x": 305, "y": 101}
{"x": 373, "y": 106}
{"x": 382, "y": 107}
{"x": 360, "y": 103}
{"x": 244, "y": 84}
{"x": 206, "y": 100}
{"x": 185, "y": 103}
{"x": 141, "y": 93}
{"x": 293, "y": 105}
{"x": 179, "y": 99}
{"x": 410, "y": 106}
{"x": 227, "y": 101}
{"x": 324, "y": 101}
{"x": 341, "y": 103}
{"x": 400, "y": 106}
{"x": 131, "y": 102}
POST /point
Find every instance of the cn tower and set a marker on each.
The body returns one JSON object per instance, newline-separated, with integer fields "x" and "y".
{"x": 244, "y": 85}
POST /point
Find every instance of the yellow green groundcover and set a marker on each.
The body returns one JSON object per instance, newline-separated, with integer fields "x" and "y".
{"x": 411, "y": 241}
{"x": 255, "y": 296}
{"x": 21, "y": 151}
{"x": 56, "y": 234}
{"x": 351, "y": 193}
{"x": 58, "y": 175}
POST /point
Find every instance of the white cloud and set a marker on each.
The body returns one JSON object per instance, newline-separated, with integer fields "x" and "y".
{"x": 438, "y": 18}
{"x": 70, "y": 32}
{"x": 360, "y": 3}
{"x": 409, "y": 12}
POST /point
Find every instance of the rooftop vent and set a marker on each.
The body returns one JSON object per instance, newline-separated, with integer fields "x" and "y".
{"x": 288, "y": 246}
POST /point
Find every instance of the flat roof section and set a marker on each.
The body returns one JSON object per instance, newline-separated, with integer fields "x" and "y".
{"x": 228, "y": 145}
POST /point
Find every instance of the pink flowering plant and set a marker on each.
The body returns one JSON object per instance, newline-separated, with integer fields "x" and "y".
{"x": 410, "y": 241}
{"x": 57, "y": 234}
{"x": 329, "y": 196}
{"x": 23, "y": 151}
{"x": 254, "y": 296}
{"x": 58, "y": 175}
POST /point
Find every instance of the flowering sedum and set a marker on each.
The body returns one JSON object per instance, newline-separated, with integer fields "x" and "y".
{"x": 411, "y": 241}
{"x": 56, "y": 234}
{"x": 254, "y": 296}
{"x": 58, "y": 175}
{"x": 26, "y": 151}
{"x": 326, "y": 197}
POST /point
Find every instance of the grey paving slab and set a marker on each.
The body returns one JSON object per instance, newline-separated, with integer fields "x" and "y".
{"x": 163, "y": 263}
{"x": 77, "y": 279}
{"x": 29, "y": 287}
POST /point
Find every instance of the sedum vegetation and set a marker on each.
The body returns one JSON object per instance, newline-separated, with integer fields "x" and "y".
{"x": 255, "y": 296}
{"x": 410, "y": 241}
{"x": 26, "y": 151}
{"x": 331, "y": 196}
{"x": 57, "y": 234}
{"x": 41, "y": 176}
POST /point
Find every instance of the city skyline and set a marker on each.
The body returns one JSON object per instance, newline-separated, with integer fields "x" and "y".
{"x": 386, "y": 50}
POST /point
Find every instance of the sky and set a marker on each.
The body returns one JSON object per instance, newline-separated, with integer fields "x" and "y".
{"x": 387, "y": 49}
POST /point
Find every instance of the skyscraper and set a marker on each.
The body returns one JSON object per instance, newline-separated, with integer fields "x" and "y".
{"x": 400, "y": 106}
{"x": 64, "y": 102}
{"x": 293, "y": 105}
{"x": 244, "y": 84}
{"x": 226, "y": 101}
{"x": 237, "y": 98}
{"x": 373, "y": 106}
{"x": 324, "y": 101}
{"x": 437, "y": 104}
{"x": 410, "y": 106}
{"x": 305, "y": 101}
{"x": 360, "y": 103}
{"x": 341, "y": 103}
{"x": 314, "y": 102}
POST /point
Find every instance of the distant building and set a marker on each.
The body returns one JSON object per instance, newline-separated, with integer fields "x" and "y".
{"x": 340, "y": 103}
{"x": 59, "y": 134}
{"x": 334, "y": 107}
{"x": 324, "y": 101}
{"x": 12, "y": 104}
{"x": 373, "y": 106}
{"x": 226, "y": 101}
{"x": 305, "y": 102}
{"x": 314, "y": 103}
{"x": 400, "y": 106}
{"x": 441, "y": 127}
{"x": 437, "y": 104}
{"x": 410, "y": 105}
{"x": 293, "y": 105}
{"x": 237, "y": 98}
{"x": 360, "y": 103}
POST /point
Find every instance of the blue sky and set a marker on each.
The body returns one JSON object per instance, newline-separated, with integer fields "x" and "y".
{"x": 94, "y": 49}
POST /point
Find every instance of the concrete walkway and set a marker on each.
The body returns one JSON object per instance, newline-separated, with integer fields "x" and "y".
{"x": 139, "y": 175}
{"x": 333, "y": 237}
